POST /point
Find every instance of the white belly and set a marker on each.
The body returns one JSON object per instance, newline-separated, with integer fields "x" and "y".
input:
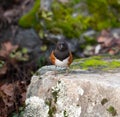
{"x": 63, "y": 63}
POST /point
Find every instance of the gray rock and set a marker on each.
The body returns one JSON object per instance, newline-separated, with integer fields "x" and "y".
{"x": 28, "y": 38}
{"x": 116, "y": 33}
{"x": 45, "y": 4}
{"x": 79, "y": 94}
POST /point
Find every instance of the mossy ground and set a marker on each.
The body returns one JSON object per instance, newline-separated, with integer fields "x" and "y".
{"x": 30, "y": 20}
{"x": 97, "y": 63}
{"x": 112, "y": 111}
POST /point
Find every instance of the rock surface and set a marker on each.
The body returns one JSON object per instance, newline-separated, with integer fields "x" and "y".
{"x": 28, "y": 38}
{"x": 78, "y": 94}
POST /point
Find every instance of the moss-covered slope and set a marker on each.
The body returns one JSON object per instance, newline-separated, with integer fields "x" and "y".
{"x": 97, "y": 63}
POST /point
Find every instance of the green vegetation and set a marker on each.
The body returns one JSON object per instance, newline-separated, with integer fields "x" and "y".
{"x": 71, "y": 20}
{"x": 65, "y": 113}
{"x": 55, "y": 95}
{"x": 20, "y": 112}
{"x": 55, "y": 92}
{"x": 65, "y": 22}
{"x": 112, "y": 111}
{"x": 104, "y": 101}
{"x": 1, "y": 63}
{"x": 20, "y": 54}
{"x": 52, "y": 101}
{"x": 104, "y": 13}
{"x": 96, "y": 63}
{"x": 30, "y": 20}
{"x": 52, "y": 108}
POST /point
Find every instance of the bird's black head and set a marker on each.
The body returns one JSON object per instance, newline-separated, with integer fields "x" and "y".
{"x": 62, "y": 45}
{"x": 62, "y": 51}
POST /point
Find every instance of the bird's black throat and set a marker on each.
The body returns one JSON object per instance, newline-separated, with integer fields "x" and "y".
{"x": 61, "y": 55}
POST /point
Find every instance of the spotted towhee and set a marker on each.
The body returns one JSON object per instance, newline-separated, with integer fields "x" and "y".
{"x": 61, "y": 56}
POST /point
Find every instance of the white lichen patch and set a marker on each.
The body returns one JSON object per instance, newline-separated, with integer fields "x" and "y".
{"x": 71, "y": 111}
{"x": 36, "y": 107}
{"x": 64, "y": 99}
{"x": 80, "y": 91}
{"x": 66, "y": 106}
{"x": 90, "y": 107}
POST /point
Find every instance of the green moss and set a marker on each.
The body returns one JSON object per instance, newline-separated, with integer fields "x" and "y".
{"x": 89, "y": 40}
{"x": 97, "y": 19}
{"x": 64, "y": 21}
{"x": 29, "y": 20}
{"x": 52, "y": 111}
{"x": 112, "y": 111}
{"x": 96, "y": 63}
{"x": 104, "y": 13}
{"x": 65, "y": 113}
{"x": 55, "y": 95}
{"x": 104, "y": 101}
{"x": 55, "y": 92}
{"x": 93, "y": 63}
{"x": 114, "y": 64}
{"x": 71, "y": 20}
{"x": 1, "y": 63}
{"x": 52, "y": 101}
{"x": 52, "y": 108}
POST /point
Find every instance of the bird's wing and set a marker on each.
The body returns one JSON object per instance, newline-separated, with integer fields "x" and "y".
{"x": 52, "y": 57}
{"x": 70, "y": 59}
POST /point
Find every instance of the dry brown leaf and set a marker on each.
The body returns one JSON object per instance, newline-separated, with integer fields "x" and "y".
{"x": 109, "y": 44}
{"x": 6, "y": 48}
{"x": 3, "y": 70}
{"x": 7, "y": 89}
{"x": 111, "y": 52}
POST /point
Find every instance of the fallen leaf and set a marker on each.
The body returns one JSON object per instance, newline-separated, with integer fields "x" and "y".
{"x": 6, "y": 48}
{"x": 7, "y": 89}
{"x": 3, "y": 69}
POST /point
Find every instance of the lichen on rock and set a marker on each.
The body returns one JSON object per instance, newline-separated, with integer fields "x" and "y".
{"x": 61, "y": 104}
{"x": 79, "y": 94}
{"x": 36, "y": 107}
{"x": 65, "y": 105}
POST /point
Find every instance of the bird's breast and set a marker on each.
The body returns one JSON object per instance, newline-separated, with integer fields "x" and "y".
{"x": 63, "y": 63}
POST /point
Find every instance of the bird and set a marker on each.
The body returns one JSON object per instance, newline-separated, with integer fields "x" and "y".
{"x": 61, "y": 56}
